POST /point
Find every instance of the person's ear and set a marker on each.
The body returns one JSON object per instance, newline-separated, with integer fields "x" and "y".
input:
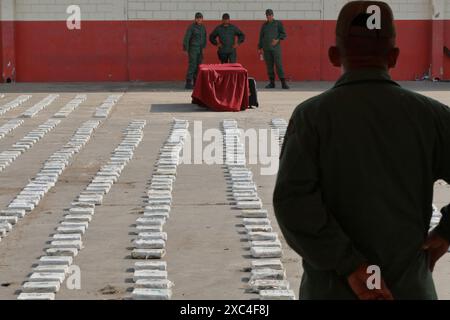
{"x": 393, "y": 57}
{"x": 335, "y": 56}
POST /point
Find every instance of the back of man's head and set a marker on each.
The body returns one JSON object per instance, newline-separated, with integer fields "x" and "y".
{"x": 365, "y": 34}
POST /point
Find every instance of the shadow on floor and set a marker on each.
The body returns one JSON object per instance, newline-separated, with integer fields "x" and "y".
{"x": 181, "y": 107}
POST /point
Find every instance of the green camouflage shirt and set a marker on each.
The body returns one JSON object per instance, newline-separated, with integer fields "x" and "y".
{"x": 269, "y": 32}
{"x": 195, "y": 37}
{"x": 227, "y": 36}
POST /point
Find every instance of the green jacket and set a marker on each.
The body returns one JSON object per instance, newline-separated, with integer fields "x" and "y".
{"x": 355, "y": 184}
{"x": 270, "y": 31}
{"x": 227, "y": 36}
{"x": 195, "y": 37}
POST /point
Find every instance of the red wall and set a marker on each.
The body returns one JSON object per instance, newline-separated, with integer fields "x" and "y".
{"x": 152, "y": 50}
{"x": 48, "y": 51}
{"x": 155, "y": 51}
{"x": 447, "y": 43}
{"x": 414, "y": 41}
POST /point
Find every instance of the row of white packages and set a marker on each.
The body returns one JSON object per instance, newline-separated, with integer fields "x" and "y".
{"x": 268, "y": 277}
{"x": 10, "y": 155}
{"x": 150, "y": 277}
{"x": 34, "y": 110}
{"x": 37, "y": 188}
{"x": 280, "y": 128}
{"x": 34, "y": 135}
{"x": 71, "y": 106}
{"x": 27, "y": 142}
{"x": 14, "y": 104}
{"x": 104, "y": 110}
{"x": 13, "y": 124}
{"x": 52, "y": 268}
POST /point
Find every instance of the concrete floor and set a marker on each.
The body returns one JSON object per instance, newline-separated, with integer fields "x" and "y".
{"x": 205, "y": 253}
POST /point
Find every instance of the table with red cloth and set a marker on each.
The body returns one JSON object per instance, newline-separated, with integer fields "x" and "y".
{"x": 222, "y": 87}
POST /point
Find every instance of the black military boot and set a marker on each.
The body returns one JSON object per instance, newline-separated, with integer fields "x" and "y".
{"x": 271, "y": 85}
{"x": 284, "y": 85}
{"x": 189, "y": 85}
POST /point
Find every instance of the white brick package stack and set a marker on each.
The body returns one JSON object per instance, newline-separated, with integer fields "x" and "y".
{"x": 32, "y": 194}
{"x": 14, "y": 104}
{"x": 436, "y": 218}
{"x": 104, "y": 110}
{"x": 27, "y": 142}
{"x": 9, "y": 127}
{"x": 279, "y": 127}
{"x": 52, "y": 268}
{"x": 150, "y": 277}
{"x": 34, "y": 110}
{"x": 268, "y": 277}
{"x": 7, "y": 157}
{"x": 71, "y": 106}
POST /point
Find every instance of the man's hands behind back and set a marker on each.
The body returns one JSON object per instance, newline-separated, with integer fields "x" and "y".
{"x": 358, "y": 283}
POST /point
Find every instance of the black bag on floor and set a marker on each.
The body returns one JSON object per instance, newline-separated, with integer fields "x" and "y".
{"x": 253, "y": 99}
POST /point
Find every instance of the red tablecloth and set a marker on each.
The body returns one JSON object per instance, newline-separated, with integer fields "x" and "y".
{"x": 222, "y": 87}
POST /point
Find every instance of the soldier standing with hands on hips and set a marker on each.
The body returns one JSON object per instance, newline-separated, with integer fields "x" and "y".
{"x": 194, "y": 43}
{"x": 272, "y": 32}
{"x": 227, "y": 45}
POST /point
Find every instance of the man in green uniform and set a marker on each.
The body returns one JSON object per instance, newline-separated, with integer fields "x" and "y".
{"x": 227, "y": 33}
{"x": 357, "y": 169}
{"x": 194, "y": 43}
{"x": 272, "y": 32}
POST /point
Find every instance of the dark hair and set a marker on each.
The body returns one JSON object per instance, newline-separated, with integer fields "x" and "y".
{"x": 354, "y": 37}
{"x": 225, "y": 16}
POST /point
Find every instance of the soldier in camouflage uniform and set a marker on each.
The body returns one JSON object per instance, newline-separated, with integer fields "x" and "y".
{"x": 194, "y": 43}
{"x": 227, "y": 45}
{"x": 272, "y": 32}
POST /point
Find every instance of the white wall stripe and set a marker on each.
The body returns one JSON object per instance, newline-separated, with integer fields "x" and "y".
{"x": 119, "y": 10}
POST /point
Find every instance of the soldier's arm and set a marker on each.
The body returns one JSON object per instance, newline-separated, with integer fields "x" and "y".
{"x": 442, "y": 165}
{"x": 240, "y": 35}
{"x": 281, "y": 31}
{"x": 187, "y": 39}
{"x": 261, "y": 37}
{"x": 205, "y": 36}
{"x": 213, "y": 37}
{"x": 304, "y": 219}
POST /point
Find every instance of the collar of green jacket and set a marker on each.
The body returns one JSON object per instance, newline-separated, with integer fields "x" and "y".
{"x": 269, "y": 22}
{"x": 364, "y": 75}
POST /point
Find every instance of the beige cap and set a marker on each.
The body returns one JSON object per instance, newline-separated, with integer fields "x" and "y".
{"x": 352, "y": 21}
